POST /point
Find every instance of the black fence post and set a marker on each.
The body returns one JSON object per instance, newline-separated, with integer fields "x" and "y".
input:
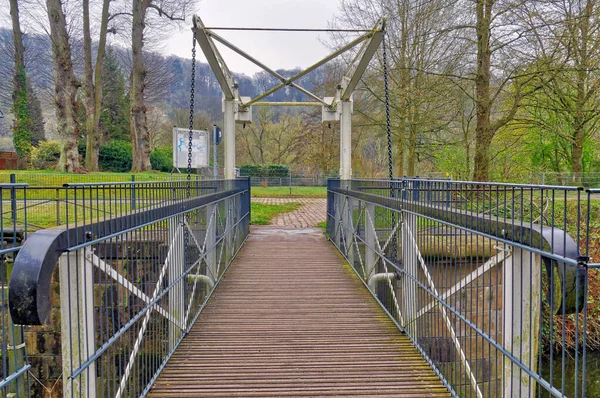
{"x": 13, "y": 200}
{"x": 133, "y": 192}
{"x": 57, "y": 206}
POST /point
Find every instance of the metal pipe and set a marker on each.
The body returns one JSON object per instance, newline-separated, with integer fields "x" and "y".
{"x": 380, "y": 277}
{"x": 306, "y": 71}
{"x": 288, "y": 103}
{"x": 202, "y": 278}
{"x": 287, "y": 29}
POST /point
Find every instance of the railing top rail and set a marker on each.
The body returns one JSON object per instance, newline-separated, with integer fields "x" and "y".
{"x": 12, "y": 185}
{"x": 558, "y": 249}
{"x": 29, "y": 286}
{"x": 474, "y": 183}
{"x": 143, "y": 183}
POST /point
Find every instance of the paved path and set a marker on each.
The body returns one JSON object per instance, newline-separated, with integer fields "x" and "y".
{"x": 289, "y": 320}
{"x": 312, "y": 212}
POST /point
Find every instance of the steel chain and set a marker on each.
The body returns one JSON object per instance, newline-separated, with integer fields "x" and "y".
{"x": 389, "y": 142}
{"x": 192, "y": 88}
{"x": 186, "y": 234}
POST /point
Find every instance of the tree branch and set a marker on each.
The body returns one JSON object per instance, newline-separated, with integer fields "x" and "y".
{"x": 162, "y": 12}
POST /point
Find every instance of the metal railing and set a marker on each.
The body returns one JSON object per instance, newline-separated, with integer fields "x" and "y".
{"x": 14, "y": 361}
{"x": 58, "y": 180}
{"x": 137, "y": 262}
{"x": 50, "y": 201}
{"x": 490, "y": 281}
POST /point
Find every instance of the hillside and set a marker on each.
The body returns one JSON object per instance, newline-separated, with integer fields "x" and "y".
{"x": 168, "y": 80}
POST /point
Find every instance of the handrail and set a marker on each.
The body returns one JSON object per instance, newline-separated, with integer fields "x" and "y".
{"x": 29, "y": 286}
{"x": 557, "y": 248}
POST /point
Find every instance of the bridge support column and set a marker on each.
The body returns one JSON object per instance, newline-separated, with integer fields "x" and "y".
{"x": 211, "y": 239}
{"x": 411, "y": 267}
{"x": 175, "y": 269}
{"x": 522, "y": 292}
{"x": 230, "y": 222}
{"x": 337, "y": 206}
{"x": 229, "y": 137}
{"x": 371, "y": 240}
{"x": 349, "y": 230}
{"x": 346, "y": 140}
{"x": 76, "y": 277}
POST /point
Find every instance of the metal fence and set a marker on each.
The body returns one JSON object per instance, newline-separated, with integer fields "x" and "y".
{"x": 137, "y": 262}
{"x": 585, "y": 179}
{"x": 14, "y": 362}
{"x": 50, "y": 200}
{"x": 57, "y": 180}
{"x": 289, "y": 181}
{"x": 490, "y": 281}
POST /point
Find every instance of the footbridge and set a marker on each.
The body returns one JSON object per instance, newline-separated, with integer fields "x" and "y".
{"x": 417, "y": 288}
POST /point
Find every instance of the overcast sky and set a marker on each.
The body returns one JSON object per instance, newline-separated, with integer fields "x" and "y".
{"x": 275, "y": 49}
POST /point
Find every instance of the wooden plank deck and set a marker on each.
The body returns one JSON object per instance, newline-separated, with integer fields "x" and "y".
{"x": 289, "y": 320}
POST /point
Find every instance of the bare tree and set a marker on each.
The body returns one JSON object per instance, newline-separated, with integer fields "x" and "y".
{"x": 65, "y": 88}
{"x": 93, "y": 83}
{"x": 419, "y": 57}
{"x": 22, "y": 120}
{"x": 171, "y": 11}
{"x": 566, "y": 108}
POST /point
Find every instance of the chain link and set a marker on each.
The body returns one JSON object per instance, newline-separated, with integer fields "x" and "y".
{"x": 186, "y": 234}
{"x": 192, "y": 88}
{"x": 387, "y": 110}
{"x": 388, "y": 124}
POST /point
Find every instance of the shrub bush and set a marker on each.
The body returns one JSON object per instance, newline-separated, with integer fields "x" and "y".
{"x": 46, "y": 155}
{"x": 161, "y": 159}
{"x": 264, "y": 170}
{"x": 48, "y": 151}
{"x": 115, "y": 156}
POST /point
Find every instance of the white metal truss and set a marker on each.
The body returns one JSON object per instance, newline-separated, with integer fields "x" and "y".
{"x": 370, "y": 277}
{"x": 370, "y": 40}
{"x": 498, "y": 258}
{"x": 337, "y": 108}
{"x": 463, "y": 358}
{"x": 381, "y": 254}
{"x": 142, "y": 331}
{"x": 209, "y": 280}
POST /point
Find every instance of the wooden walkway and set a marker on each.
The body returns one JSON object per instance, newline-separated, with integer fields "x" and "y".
{"x": 289, "y": 320}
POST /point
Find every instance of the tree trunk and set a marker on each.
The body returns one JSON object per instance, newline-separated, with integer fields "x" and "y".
{"x": 412, "y": 151}
{"x": 579, "y": 127}
{"x": 18, "y": 40}
{"x": 467, "y": 153}
{"x": 483, "y": 131}
{"x": 582, "y": 67}
{"x": 93, "y": 84}
{"x": 65, "y": 88}
{"x": 138, "y": 124}
{"x": 91, "y": 162}
{"x": 20, "y": 98}
{"x": 400, "y": 155}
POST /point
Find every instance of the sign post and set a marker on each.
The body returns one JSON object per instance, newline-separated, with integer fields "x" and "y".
{"x": 217, "y": 137}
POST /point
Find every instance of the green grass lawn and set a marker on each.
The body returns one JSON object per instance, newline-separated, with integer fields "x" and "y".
{"x": 50, "y": 178}
{"x": 262, "y": 214}
{"x": 284, "y": 192}
{"x": 44, "y": 215}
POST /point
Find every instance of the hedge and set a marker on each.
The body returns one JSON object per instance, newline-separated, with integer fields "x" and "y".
{"x": 264, "y": 170}
{"x": 162, "y": 159}
{"x": 115, "y": 156}
{"x": 46, "y": 155}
